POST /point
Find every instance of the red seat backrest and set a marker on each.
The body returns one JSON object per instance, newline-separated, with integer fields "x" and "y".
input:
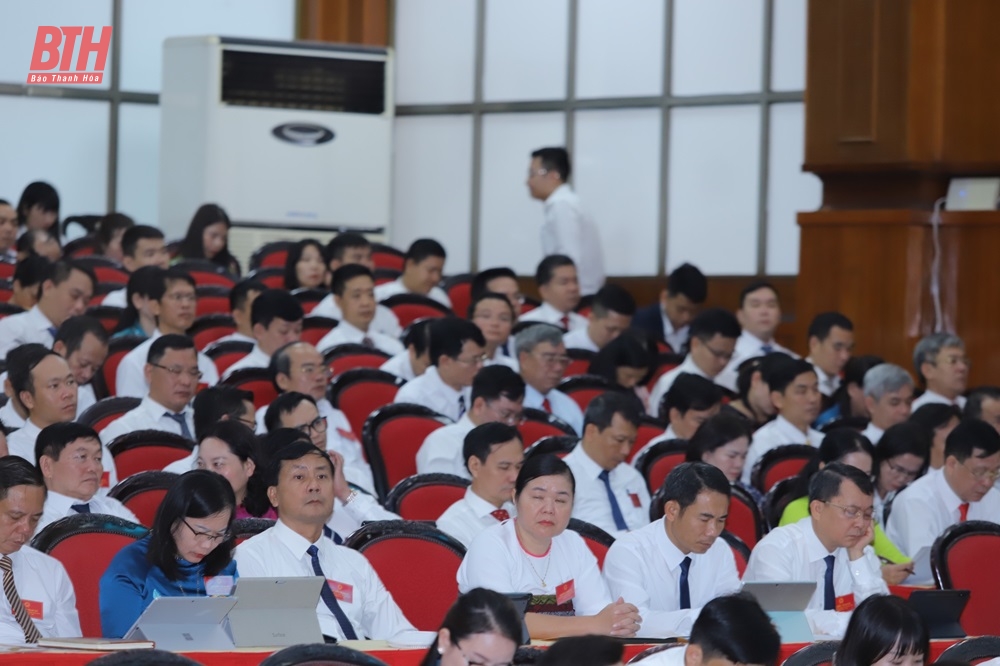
{"x": 342, "y": 364}
{"x": 647, "y": 432}
{"x": 110, "y": 275}
{"x": 274, "y": 259}
{"x": 223, "y": 361}
{"x": 741, "y": 561}
{"x": 428, "y": 502}
{"x": 6, "y": 293}
{"x": 661, "y": 467}
{"x": 207, "y": 336}
{"x": 386, "y": 260}
{"x": 399, "y": 439}
{"x": 273, "y": 281}
{"x": 314, "y": 335}
{"x": 263, "y": 391}
{"x": 460, "y": 296}
{"x": 577, "y": 366}
{"x": 407, "y": 313}
{"x": 969, "y": 561}
{"x": 583, "y": 396}
{"x": 532, "y": 431}
{"x": 782, "y": 469}
{"x": 599, "y": 550}
{"x": 212, "y": 278}
{"x": 661, "y": 370}
{"x": 741, "y": 522}
{"x": 7, "y": 270}
{"x": 143, "y": 458}
{"x": 144, "y": 504}
{"x": 212, "y": 305}
{"x": 360, "y": 399}
{"x": 110, "y": 370}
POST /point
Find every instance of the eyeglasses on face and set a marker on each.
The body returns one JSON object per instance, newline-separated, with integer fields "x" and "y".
{"x": 177, "y": 371}
{"x": 211, "y": 537}
{"x": 317, "y": 425}
{"x": 854, "y": 512}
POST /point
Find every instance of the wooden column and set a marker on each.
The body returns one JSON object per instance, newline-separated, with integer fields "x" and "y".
{"x": 344, "y": 21}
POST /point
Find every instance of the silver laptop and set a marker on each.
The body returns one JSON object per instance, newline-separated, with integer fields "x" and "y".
{"x": 785, "y": 604}
{"x": 183, "y": 624}
{"x": 272, "y": 612}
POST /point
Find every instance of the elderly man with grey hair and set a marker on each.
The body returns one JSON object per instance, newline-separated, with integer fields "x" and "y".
{"x": 888, "y": 392}
{"x": 940, "y": 361}
{"x": 543, "y": 360}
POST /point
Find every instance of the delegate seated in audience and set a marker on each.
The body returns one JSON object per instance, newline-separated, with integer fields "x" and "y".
{"x": 213, "y": 405}
{"x": 493, "y": 453}
{"x": 109, "y": 235}
{"x": 300, "y": 486}
{"x": 83, "y": 342}
{"x": 831, "y": 342}
{"x": 65, "y": 293}
{"x": 941, "y": 363}
{"x": 276, "y": 318}
{"x": 30, "y": 575}
{"x": 38, "y": 208}
{"x": 500, "y": 280}
{"x": 984, "y": 404}
{"x": 456, "y": 348}
{"x": 962, "y": 491}
{"x": 848, "y": 401}
{"x": 423, "y": 265}
{"x": 481, "y": 627}
{"x": 542, "y": 358}
{"x": 207, "y": 237}
{"x": 175, "y": 311}
{"x": 733, "y": 629}
{"x": 353, "y": 287}
{"x": 8, "y": 231}
{"x": 13, "y": 413}
{"x": 848, "y": 447}
{"x": 70, "y": 459}
{"x": 832, "y": 547}
{"x": 691, "y": 400}
{"x": 141, "y": 246}
{"x": 497, "y": 395}
{"x": 343, "y": 250}
{"x": 610, "y": 493}
{"x": 556, "y": 280}
{"x": 796, "y": 398}
{"x": 938, "y": 420}
{"x": 172, "y": 374}
{"x": 672, "y": 567}
{"x": 759, "y": 314}
{"x": 495, "y": 317}
{"x": 416, "y": 358}
{"x": 590, "y": 650}
{"x": 610, "y": 315}
{"x": 305, "y": 267}
{"x": 713, "y": 337}
{"x": 884, "y": 630}
{"x": 188, "y": 553}
{"x": 29, "y": 274}
{"x": 625, "y": 362}
{"x": 888, "y": 392}
{"x": 145, "y": 289}
{"x": 241, "y": 298}
{"x": 230, "y": 448}
{"x": 753, "y": 396}
{"x": 38, "y": 243}
{"x": 722, "y": 441}
{"x": 534, "y": 553}
{"x": 900, "y": 459}
{"x": 669, "y": 320}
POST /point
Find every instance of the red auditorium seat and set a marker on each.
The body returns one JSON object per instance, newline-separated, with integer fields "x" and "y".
{"x": 142, "y": 493}
{"x": 208, "y": 328}
{"x": 227, "y": 352}
{"x": 392, "y": 435}
{"x": 257, "y": 381}
{"x": 207, "y": 272}
{"x": 346, "y": 357}
{"x": 270, "y": 255}
{"x": 656, "y": 462}
{"x": 459, "y": 290}
{"x": 425, "y": 496}
{"x": 104, "y": 381}
{"x": 386, "y": 256}
{"x": 315, "y": 329}
{"x": 779, "y": 463}
{"x": 361, "y": 391}
{"x": 596, "y": 539}
{"x": 106, "y": 410}
{"x": 538, "y": 423}
{"x": 584, "y": 388}
{"x": 147, "y": 450}
{"x": 964, "y": 558}
{"x": 410, "y": 307}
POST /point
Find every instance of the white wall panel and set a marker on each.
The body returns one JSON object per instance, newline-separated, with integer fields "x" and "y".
{"x": 717, "y": 46}
{"x": 138, "y": 190}
{"x": 789, "y": 190}
{"x": 619, "y": 52}
{"x": 525, "y": 50}
{"x": 435, "y": 51}
{"x": 788, "y": 45}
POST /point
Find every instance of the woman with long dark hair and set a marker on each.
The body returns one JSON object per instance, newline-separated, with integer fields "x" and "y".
{"x": 305, "y": 267}
{"x": 625, "y": 362}
{"x": 231, "y": 449}
{"x": 208, "y": 238}
{"x": 884, "y": 631}
{"x": 482, "y": 627}
{"x": 723, "y": 441}
{"x": 145, "y": 285}
{"x": 901, "y": 458}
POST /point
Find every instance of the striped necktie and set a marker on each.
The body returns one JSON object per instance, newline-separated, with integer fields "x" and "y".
{"x": 20, "y": 613}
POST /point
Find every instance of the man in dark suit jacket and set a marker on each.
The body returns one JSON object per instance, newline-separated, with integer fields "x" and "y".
{"x": 668, "y": 319}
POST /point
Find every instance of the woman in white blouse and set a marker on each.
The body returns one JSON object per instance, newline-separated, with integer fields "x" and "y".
{"x": 494, "y": 316}
{"x": 535, "y": 554}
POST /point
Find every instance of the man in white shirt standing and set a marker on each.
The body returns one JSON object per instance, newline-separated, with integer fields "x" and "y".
{"x": 343, "y": 250}
{"x": 610, "y": 315}
{"x": 497, "y": 395}
{"x": 423, "y": 266}
{"x": 83, "y": 342}
{"x": 541, "y": 356}
{"x": 669, "y": 319}
{"x": 65, "y": 293}
{"x": 493, "y": 454}
{"x": 416, "y": 358}
{"x": 568, "y": 229}
{"x": 69, "y": 458}
{"x": 354, "y": 603}
{"x": 831, "y": 341}
{"x": 691, "y": 401}
{"x": 276, "y": 317}
{"x": 832, "y": 547}
{"x": 888, "y": 392}
{"x": 241, "y": 298}
{"x": 610, "y": 493}
{"x": 557, "y": 284}
{"x": 759, "y": 315}
{"x": 38, "y": 599}
{"x": 940, "y": 361}
{"x": 672, "y": 567}
{"x": 353, "y": 287}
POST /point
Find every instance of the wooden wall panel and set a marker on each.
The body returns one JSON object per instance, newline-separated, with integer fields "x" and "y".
{"x": 344, "y": 21}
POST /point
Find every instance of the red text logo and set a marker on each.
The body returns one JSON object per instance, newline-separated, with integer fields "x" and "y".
{"x": 55, "y": 46}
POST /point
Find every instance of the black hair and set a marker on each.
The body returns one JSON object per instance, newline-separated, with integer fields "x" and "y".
{"x": 690, "y": 391}
{"x": 480, "y": 441}
{"x": 175, "y": 274}
{"x": 854, "y": 374}
{"x": 342, "y": 242}
{"x": 879, "y": 625}
{"x": 556, "y": 159}
{"x": 836, "y": 444}
{"x": 61, "y": 271}
{"x": 240, "y": 292}
{"x": 689, "y": 479}
{"x": 449, "y": 334}
{"x": 735, "y": 628}
{"x": 933, "y": 416}
{"x": 244, "y": 445}
{"x": 170, "y": 341}
{"x": 783, "y": 373}
{"x": 299, "y": 448}
{"x": 612, "y": 298}
{"x": 195, "y": 494}
{"x": 274, "y": 304}
{"x": 193, "y": 247}
{"x": 974, "y": 404}
{"x": 826, "y": 483}
{"x": 625, "y": 351}
{"x": 295, "y": 252}
{"x": 714, "y": 433}
{"x": 972, "y": 438}
{"x": 424, "y": 248}
{"x": 547, "y": 268}
{"x": 490, "y": 296}
{"x": 689, "y": 281}
{"x": 281, "y": 363}
{"x": 277, "y": 439}
{"x": 148, "y": 281}
{"x": 283, "y": 404}
{"x": 39, "y": 194}
{"x": 108, "y": 225}
{"x": 32, "y": 271}
{"x": 216, "y": 402}
{"x": 901, "y": 439}
{"x": 478, "y": 611}
{"x": 602, "y": 409}
{"x": 346, "y": 273}
{"x": 756, "y": 285}
{"x": 25, "y": 244}
{"x": 481, "y": 280}
{"x": 416, "y": 336}
{"x": 497, "y": 381}
{"x": 823, "y": 323}
{"x": 16, "y": 471}
{"x": 136, "y": 233}
{"x": 21, "y": 360}
{"x": 72, "y": 332}
{"x": 715, "y": 321}
{"x": 543, "y": 465}
{"x": 592, "y": 650}
{"x": 54, "y": 438}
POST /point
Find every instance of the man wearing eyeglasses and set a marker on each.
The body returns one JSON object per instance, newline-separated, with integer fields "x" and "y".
{"x": 713, "y": 340}
{"x": 541, "y": 355}
{"x": 963, "y": 490}
{"x": 832, "y": 547}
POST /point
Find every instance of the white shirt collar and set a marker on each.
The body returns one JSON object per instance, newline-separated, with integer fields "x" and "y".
{"x": 784, "y": 425}
{"x": 672, "y": 555}
{"x": 153, "y": 407}
{"x": 815, "y": 548}
{"x": 590, "y": 467}
{"x": 551, "y": 312}
{"x": 62, "y": 503}
{"x": 479, "y": 506}
{"x": 43, "y": 322}
{"x": 432, "y": 376}
{"x": 351, "y": 332}
{"x": 689, "y": 366}
{"x": 947, "y": 495}
{"x": 561, "y": 193}
{"x": 292, "y": 540}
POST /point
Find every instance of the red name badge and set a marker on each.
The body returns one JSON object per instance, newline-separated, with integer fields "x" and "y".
{"x": 844, "y": 603}
{"x": 106, "y": 480}
{"x": 635, "y": 500}
{"x": 342, "y": 591}
{"x": 35, "y": 609}
{"x": 565, "y": 592}
{"x": 346, "y": 434}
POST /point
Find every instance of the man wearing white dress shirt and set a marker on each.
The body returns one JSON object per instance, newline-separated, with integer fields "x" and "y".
{"x": 831, "y": 341}
{"x": 423, "y": 265}
{"x": 497, "y": 395}
{"x": 353, "y": 287}
{"x": 83, "y": 342}
{"x": 672, "y": 567}
{"x": 500, "y": 280}
{"x": 832, "y": 547}
{"x": 457, "y": 348}
{"x": 557, "y": 284}
{"x": 29, "y": 273}
{"x": 759, "y": 315}
{"x": 210, "y": 406}
{"x": 568, "y": 229}
{"x": 691, "y": 401}
{"x": 541, "y": 356}
{"x": 241, "y": 298}
{"x": 416, "y": 358}
{"x": 493, "y": 453}
{"x": 69, "y": 458}
{"x": 888, "y": 392}
{"x": 351, "y": 248}
{"x": 276, "y": 317}
{"x": 963, "y": 490}
{"x": 670, "y": 318}
{"x": 610, "y": 315}
{"x": 172, "y": 373}
{"x": 40, "y": 601}
{"x": 713, "y": 338}
{"x": 8, "y": 231}
{"x": 940, "y": 361}
{"x": 354, "y": 603}
{"x": 65, "y": 293}
{"x": 610, "y": 493}
{"x": 795, "y": 394}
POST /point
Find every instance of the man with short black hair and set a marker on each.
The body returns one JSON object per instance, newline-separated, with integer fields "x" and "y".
{"x": 83, "y": 342}
{"x": 346, "y": 249}
{"x": 831, "y": 341}
{"x": 610, "y": 314}
{"x": 941, "y": 363}
{"x": 691, "y": 401}
{"x": 276, "y": 317}
{"x": 241, "y": 298}
{"x": 142, "y": 245}
{"x": 416, "y": 358}
{"x": 26, "y": 284}
{"x": 610, "y": 493}
{"x": 557, "y": 284}
{"x": 353, "y": 287}
{"x": 423, "y": 265}
{"x": 984, "y": 404}
{"x": 759, "y": 314}
{"x": 542, "y": 359}
{"x": 668, "y": 320}
{"x": 672, "y": 567}
{"x": 888, "y": 392}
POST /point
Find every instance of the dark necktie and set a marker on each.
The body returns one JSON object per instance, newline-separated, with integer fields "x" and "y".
{"x": 616, "y": 511}
{"x": 461, "y": 406}
{"x": 766, "y": 349}
{"x": 367, "y": 342}
{"x": 963, "y": 512}
{"x": 329, "y": 599}
{"x": 31, "y": 634}
{"x": 684, "y": 589}
{"x": 81, "y": 508}
{"x": 181, "y": 421}
{"x": 500, "y": 514}
{"x": 52, "y": 331}
{"x": 829, "y": 595}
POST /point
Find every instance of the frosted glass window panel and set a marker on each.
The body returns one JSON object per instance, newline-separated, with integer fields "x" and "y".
{"x": 718, "y": 46}
{"x": 146, "y": 24}
{"x": 525, "y": 50}
{"x": 510, "y": 220}
{"x": 432, "y": 185}
{"x": 788, "y": 46}
{"x": 138, "y": 189}
{"x": 435, "y": 51}
{"x": 789, "y": 190}
{"x": 616, "y": 167}
{"x": 714, "y": 188}
{"x": 20, "y": 26}
{"x": 619, "y": 48}
{"x": 62, "y": 142}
